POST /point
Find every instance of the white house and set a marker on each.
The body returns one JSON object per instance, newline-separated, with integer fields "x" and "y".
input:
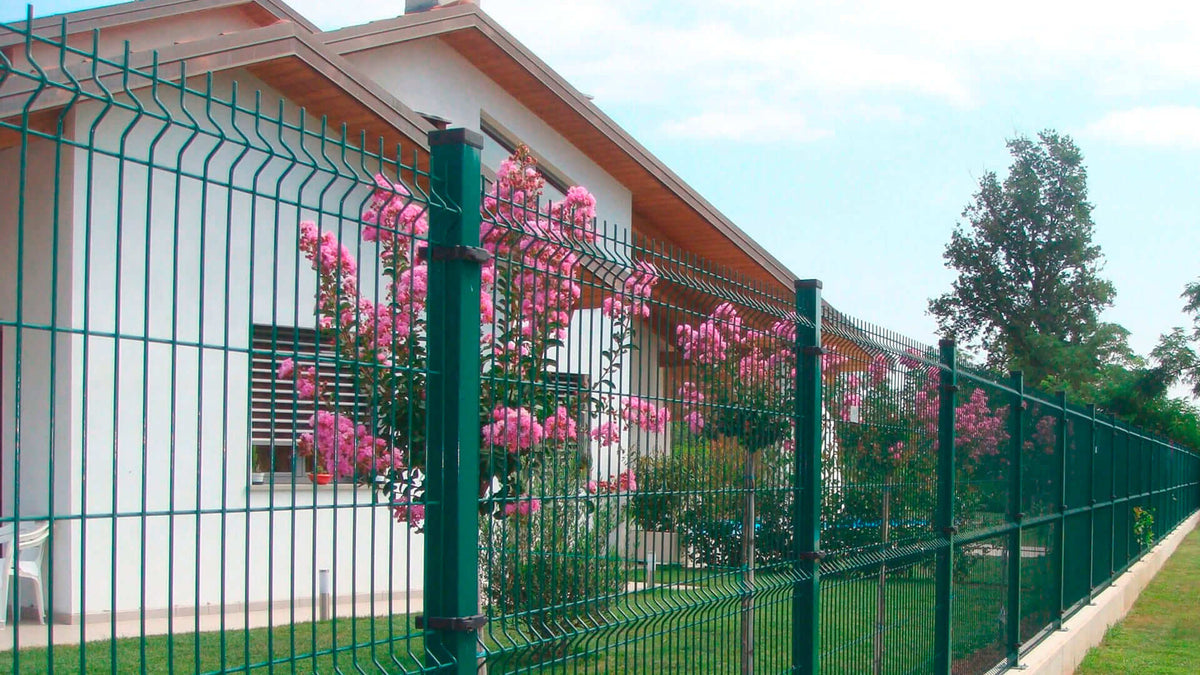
{"x": 145, "y": 254}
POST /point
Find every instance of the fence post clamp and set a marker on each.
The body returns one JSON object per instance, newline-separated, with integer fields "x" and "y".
{"x": 440, "y": 252}
{"x": 458, "y": 624}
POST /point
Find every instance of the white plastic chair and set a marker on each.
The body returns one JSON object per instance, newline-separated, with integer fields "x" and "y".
{"x": 31, "y": 541}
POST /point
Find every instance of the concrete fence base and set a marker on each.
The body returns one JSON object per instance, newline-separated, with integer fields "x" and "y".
{"x": 1063, "y": 650}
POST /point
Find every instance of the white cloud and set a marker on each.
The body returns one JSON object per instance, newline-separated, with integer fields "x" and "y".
{"x": 829, "y": 62}
{"x": 1160, "y": 126}
{"x": 748, "y": 122}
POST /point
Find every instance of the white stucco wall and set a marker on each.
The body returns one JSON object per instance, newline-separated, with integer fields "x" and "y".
{"x": 36, "y": 433}
{"x": 156, "y": 421}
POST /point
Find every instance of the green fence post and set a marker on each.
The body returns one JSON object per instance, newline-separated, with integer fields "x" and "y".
{"x": 452, "y": 465}
{"x": 806, "y": 596}
{"x": 1060, "y": 558}
{"x": 1015, "y": 501}
{"x": 1094, "y": 448}
{"x": 1112, "y": 499}
{"x": 943, "y": 655}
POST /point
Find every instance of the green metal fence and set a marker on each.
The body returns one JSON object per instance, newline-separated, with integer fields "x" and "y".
{"x": 273, "y": 398}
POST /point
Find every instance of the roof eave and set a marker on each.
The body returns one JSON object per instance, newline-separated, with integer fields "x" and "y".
{"x": 243, "y": 49}
{"x": 126, "y": 13}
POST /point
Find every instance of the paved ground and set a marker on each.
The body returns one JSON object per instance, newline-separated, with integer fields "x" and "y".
{"x": 33, "y": 634}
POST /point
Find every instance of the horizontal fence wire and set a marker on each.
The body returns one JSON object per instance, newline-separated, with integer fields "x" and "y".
{"x": 219, "y": 452}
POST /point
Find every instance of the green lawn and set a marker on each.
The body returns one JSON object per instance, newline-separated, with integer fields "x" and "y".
{"x": 1161, "y": 635}
{"x": 312, "y": 643}
{"x": 690, "y": 623}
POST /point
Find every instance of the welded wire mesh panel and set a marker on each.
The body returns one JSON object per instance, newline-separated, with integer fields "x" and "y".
{"x": 982, "y": 455}
{"x": 1039, "y": 581}
{"x": 879, "y": 480}
{"x": 638, "y": 462}
{"x": 980, "y": 605}
{"x": 879, "y": 617}
{"x": 1077, "y": 551}
{"x": 211, "y": 316}
{"x": 1103, "y": 490}
{"x": 1040, "y": 461}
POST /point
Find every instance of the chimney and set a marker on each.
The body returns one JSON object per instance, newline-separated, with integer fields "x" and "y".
{"x": 413, "y": 6}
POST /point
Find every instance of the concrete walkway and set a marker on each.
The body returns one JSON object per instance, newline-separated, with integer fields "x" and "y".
{"x": 33, "y": 634}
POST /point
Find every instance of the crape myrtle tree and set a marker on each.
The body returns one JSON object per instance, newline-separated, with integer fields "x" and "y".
{"x": 885, "y": 432}
{"x": 529, "y": 289}
{"x": 531, "y": 445}
{"x": 1029, "y": 290}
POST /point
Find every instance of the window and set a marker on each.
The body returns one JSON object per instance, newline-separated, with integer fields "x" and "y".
{"x": 277, "y": 416}
{"x": 573, "y": 391}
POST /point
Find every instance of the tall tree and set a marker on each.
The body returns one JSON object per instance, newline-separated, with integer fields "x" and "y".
{"x": 1176, "y": 352}
{"x": 1029, "y": 290}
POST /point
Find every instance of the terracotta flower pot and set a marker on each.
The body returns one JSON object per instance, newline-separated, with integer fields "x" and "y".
{"x": 321, "y": 478}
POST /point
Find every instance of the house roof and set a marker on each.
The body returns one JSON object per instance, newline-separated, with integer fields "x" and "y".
{"x": 284, "y": 55}
{"x": 664, "y": 206}
{"x": 262, "y": 12}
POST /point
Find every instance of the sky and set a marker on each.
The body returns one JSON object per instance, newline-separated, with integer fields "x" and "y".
{"x": 847, "y": 137}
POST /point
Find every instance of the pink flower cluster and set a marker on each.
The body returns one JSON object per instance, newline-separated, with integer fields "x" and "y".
{"x": 329, "y": 256}
{"x": 608, "y": 433}
{"x": 784, "y": 331}
{"x": 579, "y": 210}
{"x": 528, "y": 293}
{"x": 393, "y": 217}
{"x": 346, "y": 449}
{"x": 560, "y": 426}
{"x": 514, "y": 429}
{"x": 626, "y": 481}
{"x": 644, "y": 414}
{"x": 413, "y": 514}
{"x": 638, "y": 288}
{"x": 305, "y": 380}
{"x": 523, "y": 506}
{"x": 879, "y": 369}
{"x": 729, "y": 355}
{"x": 709, "y": 343}
{"x": 978, "y": 428}
{"x": 1045, "y": 435}
{"x": 690, "y": 393}
{"x": 705, "y": 344}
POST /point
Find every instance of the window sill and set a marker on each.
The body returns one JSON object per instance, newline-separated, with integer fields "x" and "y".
{"x": 307, "y": 487}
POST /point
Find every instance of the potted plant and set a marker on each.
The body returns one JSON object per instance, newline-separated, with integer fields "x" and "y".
{"x": 258, "y": 474}
{"x": 320, "y": 474}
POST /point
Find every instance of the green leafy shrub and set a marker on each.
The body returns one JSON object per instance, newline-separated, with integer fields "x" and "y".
{"x": 547, "y": 562}
{"x": 1143, "y": 526}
